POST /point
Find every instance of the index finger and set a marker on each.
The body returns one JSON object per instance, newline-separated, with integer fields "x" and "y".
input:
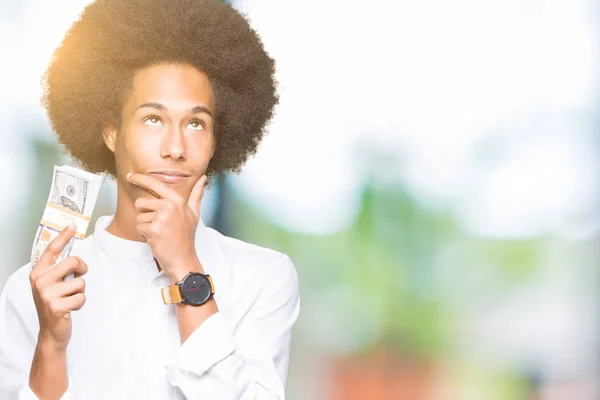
{"x": 152, "y": 185}
{"x": 54, "y": 248}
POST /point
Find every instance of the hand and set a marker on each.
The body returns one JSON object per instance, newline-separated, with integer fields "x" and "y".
{"x": 55, "y": 299}
{"x": 168, "y": 223}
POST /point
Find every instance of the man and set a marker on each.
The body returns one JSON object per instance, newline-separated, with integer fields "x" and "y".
{"x": 161, "y": 94}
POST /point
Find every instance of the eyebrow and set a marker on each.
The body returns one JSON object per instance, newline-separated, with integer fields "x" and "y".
{"x": 161, "y": 107}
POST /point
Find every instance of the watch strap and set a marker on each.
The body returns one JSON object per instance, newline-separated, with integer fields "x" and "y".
{"x": 172, "y": 294}
{"x": 212, "y": 286}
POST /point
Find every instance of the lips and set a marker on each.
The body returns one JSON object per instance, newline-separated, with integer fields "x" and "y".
{"x": 169, "y": 176}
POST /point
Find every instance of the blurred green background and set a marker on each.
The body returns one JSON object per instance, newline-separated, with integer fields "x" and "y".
{"x": 432, "y": 172}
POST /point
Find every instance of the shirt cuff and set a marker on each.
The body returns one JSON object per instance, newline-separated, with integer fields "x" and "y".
{"x": 25, "y": 392}
{"x": 209, "y": 344}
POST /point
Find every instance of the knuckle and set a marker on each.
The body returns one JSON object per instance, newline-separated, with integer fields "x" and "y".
{"x": 54, "y": 307}
{"x": 46, "y": 299}
{"x": 53, "y": 247}
{"x": 155, "y": 229}
{"x": 38, "y": 288}
{"x": 70, "y": 262}
{"x": 32, "y": 278}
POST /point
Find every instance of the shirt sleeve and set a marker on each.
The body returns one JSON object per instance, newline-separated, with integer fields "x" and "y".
{"x": 251, "y": 363}
{"x": 25, "y": 393}
{"x": 18, "y": 338}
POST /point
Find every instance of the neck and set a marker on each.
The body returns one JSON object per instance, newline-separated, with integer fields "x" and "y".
{"x": 125, "y": 220}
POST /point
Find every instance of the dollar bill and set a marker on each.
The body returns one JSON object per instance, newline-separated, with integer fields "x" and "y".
{"x": 43, "y": 237}
{"x": 69, "y": 190}
{"x": 72, "y": 198}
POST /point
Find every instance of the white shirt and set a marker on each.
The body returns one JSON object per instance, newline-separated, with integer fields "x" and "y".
{"x": 125, "y": 342}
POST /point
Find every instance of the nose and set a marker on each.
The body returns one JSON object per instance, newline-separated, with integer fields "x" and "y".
{"x": 174, "y": 145}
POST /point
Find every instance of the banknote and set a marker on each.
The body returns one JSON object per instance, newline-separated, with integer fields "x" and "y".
{"x": 69, "y": 190}
{"x": 72, "y": 198}
{"x": 43, "y": 237}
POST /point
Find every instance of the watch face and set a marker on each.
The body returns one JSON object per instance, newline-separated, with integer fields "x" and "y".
{"x": 195, "y": 289}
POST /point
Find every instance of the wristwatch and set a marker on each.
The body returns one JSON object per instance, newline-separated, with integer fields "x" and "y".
{"x": 194, "y": 289}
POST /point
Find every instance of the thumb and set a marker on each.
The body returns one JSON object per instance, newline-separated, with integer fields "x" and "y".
{"x": 196, "y": 196}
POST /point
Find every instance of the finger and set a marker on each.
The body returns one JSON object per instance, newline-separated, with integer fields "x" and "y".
{"x": 145, "y": 231}
{"x": 71, "y": 303}
{"x": 146, "y": 217}
{"x": 143, "y": 204}
{"x": 153, "y": 186}
{"x": 69, "y": 265}
{"x": 54, "y": 248}
{"x": 67, "y": 288}
{"x": 196, "y": 196}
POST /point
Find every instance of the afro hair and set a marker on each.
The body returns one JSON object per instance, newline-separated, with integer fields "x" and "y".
{"x": 92, "y": 72}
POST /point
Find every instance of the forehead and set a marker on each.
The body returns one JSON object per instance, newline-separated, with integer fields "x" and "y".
{"x": 173, "y": 85}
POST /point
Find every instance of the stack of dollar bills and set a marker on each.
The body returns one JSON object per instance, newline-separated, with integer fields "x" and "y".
{"x": 72, "y": 198}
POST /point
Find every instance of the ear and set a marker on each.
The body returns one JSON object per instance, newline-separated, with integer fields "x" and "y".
{"x": 110, "y": 136}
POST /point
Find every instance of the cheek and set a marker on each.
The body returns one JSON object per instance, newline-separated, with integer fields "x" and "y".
{"x": 200, "y": 150}
{"x": 137, "y": 148}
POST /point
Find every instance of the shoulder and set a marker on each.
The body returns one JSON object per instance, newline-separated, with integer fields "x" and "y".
{"x": 258, "y": 262}
{"x": 18, "y": 279}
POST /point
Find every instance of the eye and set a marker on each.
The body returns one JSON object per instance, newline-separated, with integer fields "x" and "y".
{"x": 152, "y": 120}
{"x": 196, "y": 124}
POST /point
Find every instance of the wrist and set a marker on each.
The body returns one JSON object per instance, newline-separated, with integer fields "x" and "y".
{"x": 180, "y": 268}
{"x": 50, "y": 347}
{"x": 48, "y": 376}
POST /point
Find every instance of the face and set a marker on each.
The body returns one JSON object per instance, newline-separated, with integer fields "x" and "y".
{"x": 166, "y": 129}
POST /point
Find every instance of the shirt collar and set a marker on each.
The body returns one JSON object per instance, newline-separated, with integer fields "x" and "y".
{"x": 207, "y": 248}
{"x": 117, "y": 246}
